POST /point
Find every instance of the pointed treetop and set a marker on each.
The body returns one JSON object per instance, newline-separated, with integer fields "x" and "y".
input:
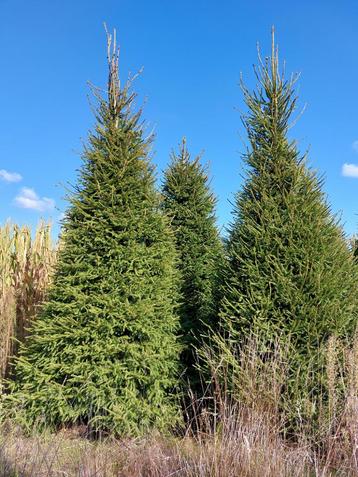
{"x": 114, "y": 86}
{"x": 184, "y": 153}
{"x": 274, "y": 56}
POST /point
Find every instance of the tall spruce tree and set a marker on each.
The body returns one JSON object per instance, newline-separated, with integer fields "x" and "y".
{"x": 190, "y": 204}
{"x": 355, "y": 249}
{"x": 103, "y": 350}
{"x": 290, "y": 274}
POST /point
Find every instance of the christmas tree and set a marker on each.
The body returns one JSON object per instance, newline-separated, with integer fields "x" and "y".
{"x": 290, "y": 275}
{"x": 103, "y": 351}
{"x": 190, "y": 204}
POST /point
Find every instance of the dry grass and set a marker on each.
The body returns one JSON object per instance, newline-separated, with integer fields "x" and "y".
{"x": 26, "y": 264}
{"x": 240, "y": 437}
{"x": 248, "y": 448}
{"x": 246, "y": 445}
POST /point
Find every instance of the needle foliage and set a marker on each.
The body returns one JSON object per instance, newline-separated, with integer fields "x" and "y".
{"x": 190, "y": 204}
{"x": 290, "y": 273}
{"x": 103, "y": 351}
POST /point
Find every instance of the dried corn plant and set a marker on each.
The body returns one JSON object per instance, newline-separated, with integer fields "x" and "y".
{"x": 26, "y": 264}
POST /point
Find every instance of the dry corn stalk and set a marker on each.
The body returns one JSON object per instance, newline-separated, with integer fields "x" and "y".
{"x": 26, "y": 264}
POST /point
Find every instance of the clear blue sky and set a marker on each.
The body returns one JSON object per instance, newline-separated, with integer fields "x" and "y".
{"x": 192, "y": 53}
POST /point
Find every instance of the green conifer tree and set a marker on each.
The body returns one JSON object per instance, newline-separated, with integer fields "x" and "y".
{"x": 190, "y": 204}
{"x": 103, "y": 350}
{"x": 355, "y": 249}
{"x": 290, "y": 273}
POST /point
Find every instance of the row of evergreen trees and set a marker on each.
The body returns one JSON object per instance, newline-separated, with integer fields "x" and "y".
{"x": 143, "y": 277}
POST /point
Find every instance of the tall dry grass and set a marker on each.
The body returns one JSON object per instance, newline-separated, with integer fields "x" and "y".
{"x": 26, "y": 264}
{"x": 229, "y": 435}
{"x": 236, "y": 429}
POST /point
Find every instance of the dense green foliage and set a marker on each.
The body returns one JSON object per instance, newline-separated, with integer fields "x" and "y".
{"x": 143, "y": 285}
{"x": 190, "y": 204}
{"x": 355, "y": 249}
{"x": 103, "y": 350}
{"x": 290, "y": 274}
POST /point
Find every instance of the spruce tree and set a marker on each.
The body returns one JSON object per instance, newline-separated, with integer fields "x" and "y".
{"x": 103, "y": 351}
{"x": 190, "y": 204}
{"x": 355, "y": 248}
{"x": 290, "y": 275}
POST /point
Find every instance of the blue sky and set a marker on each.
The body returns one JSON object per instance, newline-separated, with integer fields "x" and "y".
{"x": 192, "y": 53}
